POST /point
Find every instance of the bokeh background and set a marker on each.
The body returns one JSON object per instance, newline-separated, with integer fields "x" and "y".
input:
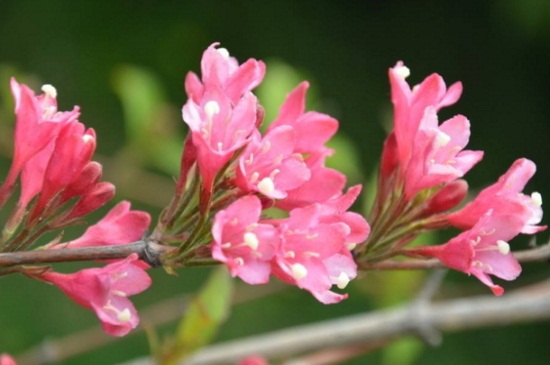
{"x": 124, "y": 63}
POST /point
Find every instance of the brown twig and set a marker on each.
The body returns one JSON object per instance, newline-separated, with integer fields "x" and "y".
{"x": 148, "y": 251}
{"x": 523, "y": 305}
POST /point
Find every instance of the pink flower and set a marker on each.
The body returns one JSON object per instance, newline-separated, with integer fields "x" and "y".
{"x": 325, "y": 183}
{"x": 335, "y": 211}
{"x": 37, "y": 123}
{"x": 410, "y": 105}
{"x": 106, "y": 290}
{"x": 242, "y": 243}
{"x": 437, "y": 156}
{"x": 219, "y": 127}
{"x": 270, "y": 166}
{"x": 505, "y": 198}
{"x": 483, "y": 250}
{"x": 6, "y": 359}
{"x": 313, "y": 255}
{"x": 253, "y": 360}
{"x": 121, "y": 225}
{"x": 72, "y": 151}
{"x": 312, "y": 129}
{"x": 221, "y": 71}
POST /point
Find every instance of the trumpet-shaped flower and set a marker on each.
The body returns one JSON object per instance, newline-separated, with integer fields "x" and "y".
{"x": 482, "y": 250}
{"x": 438, "y": 156}
{"x": 242, "y": 243}
{"x": 270, "y": 166}
{"x": 121, "y": 225}
{"x": 312, "y": 254}
{"x": 505, "y": 198}
{"x": 219, "y": 127}
{"x": 221, "y": 71}
{"x": 106, "y": 290}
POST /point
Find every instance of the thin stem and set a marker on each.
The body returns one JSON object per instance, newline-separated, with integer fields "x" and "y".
{"x": 148, "y": 251}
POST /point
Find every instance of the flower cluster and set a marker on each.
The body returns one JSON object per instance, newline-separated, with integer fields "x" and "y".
{"x": 420, "y": 182}
{"x": 242, "y": 172}
{"x": 60, "y": 184}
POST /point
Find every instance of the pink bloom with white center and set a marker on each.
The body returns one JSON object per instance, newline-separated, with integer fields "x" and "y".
{"x": 505, "y": 198}
{"x": 483, "y": 250}
{"x": 221, "y": 71}
{"x": 242, "y": 243}
{"x": 270, "y": 166}
{"x": 312, "y": 255}
{"x": 121, "y": 225}
{"x": 6, "y": 359}
{"x": 37, "y": 123}
{"x": 106, "y": 290}
{"x": 410, "y": 105}
{"x": 219, "y": 127}
{"x": 438, "y": 156}
{"x": 312, "y": 129}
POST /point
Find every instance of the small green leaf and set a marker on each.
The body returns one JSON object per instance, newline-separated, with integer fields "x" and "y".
{"x": 206, "y": 312}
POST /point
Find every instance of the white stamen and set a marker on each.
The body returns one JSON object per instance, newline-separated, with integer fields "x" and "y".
{"x": 503, "y": 247}
{"x": 87, "y": 138}
{"x": 402, "y": 71}
{"x": 223, "y": 52}
{"x": 251, "y": 240}
{"x": 49, "y": 90}
{"x": 290, "y": 254}
{"x": 299, "y": 271}
{"x": 342, "y": 281}
{"x": 211, "y": 108}
{"x": 351, "y": 246}
{"x": 254, "y": 177}
{"x": 124, "y": 316}
{"x": 119, "y": 293}
{"x": 266, "y": 186}
{"x": 536, "y": 198}
{"x": 266, "y": 147}
{"x": 226, "y": 245}
{"x": 442, "y": 139}
{"x": 239, "y": 261}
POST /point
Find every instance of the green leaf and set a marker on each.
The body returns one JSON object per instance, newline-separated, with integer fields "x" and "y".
{"x": 151, "y": 123}
{"x": 206, "y": 312}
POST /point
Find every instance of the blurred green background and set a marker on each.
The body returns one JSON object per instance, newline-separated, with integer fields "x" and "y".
{"x": 124, "y": 63}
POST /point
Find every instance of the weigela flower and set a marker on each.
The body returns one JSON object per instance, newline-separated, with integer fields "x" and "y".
{"x": 37, "y": 123}
{"x": 221, "y": 71}
{"x": 482, "y": 250}
{"x": 438, "y": 157}
{"x": 410, "y": 105}
{"x": 106, "y": 290}
{"x": 505, "y": 198}
{"x": 219, "y": 127}
{"x": 313, "y": 129}
{"x": 270, "y": 166}
{"x": 324, "y": 183}
{"x": 313, "y": 255}
{"x": 121, "y": 225}
{"x": 429, "y": 154}
{"x": 242, "y": 243}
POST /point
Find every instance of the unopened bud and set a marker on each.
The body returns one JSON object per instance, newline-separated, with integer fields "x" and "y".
{"x": 97, "y": 197}
{"x": 448, "y": 197}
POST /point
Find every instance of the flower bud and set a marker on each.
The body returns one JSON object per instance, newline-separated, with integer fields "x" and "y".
{"x": 447, "y": 197}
